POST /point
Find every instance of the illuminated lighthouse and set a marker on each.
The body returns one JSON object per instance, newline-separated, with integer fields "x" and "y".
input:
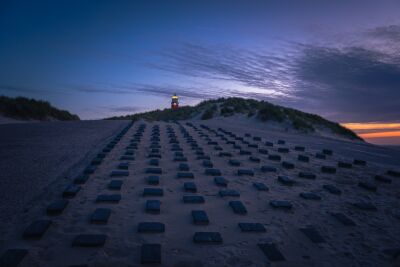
{"x": 174, "y": 102}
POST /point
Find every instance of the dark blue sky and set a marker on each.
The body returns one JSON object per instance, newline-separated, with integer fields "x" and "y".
{"x": 340, "y": 59}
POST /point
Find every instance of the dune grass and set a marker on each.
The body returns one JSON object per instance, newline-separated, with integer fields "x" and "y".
{"x": 23, "y": 108}
{"x": 262, "y": 110}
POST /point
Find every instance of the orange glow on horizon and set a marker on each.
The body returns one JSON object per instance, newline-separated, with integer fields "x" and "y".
{"x": 371, "y": 126}
{"x": 380, "y": 134}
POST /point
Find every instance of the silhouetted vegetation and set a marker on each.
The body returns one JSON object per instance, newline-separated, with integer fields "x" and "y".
{"x": 263, "y": 110}
{"x": 30, "y": 109}
{"x": 209, "y": 113}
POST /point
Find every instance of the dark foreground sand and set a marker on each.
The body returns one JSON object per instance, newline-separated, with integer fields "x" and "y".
{"x": 371, "y": 241}
{"x": 36, "y": 158}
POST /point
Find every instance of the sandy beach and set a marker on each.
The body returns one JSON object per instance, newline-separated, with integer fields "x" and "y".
{"x": 370, "y": 240}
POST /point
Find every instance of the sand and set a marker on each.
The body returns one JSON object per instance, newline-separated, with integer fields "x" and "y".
{"x": 360, "y": 245}
{"x": 38, "y": 158}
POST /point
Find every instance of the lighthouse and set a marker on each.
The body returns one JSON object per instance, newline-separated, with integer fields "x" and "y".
{"x": 174, "y": 102}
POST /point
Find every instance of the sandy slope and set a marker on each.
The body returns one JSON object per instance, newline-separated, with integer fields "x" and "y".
{"x": 36, "y": 158}
{"x": 359, "y": 245}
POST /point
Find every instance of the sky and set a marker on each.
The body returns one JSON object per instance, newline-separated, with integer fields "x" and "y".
{"x": 339, "y": 59}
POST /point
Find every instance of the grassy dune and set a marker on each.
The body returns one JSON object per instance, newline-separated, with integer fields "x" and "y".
{"x": 262, "y": 110}
{"x": 22, "y": 108}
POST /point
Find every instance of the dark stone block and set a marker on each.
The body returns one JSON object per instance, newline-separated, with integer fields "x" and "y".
{"x": 89, "y": 170}
{"x": 100, "y": 216}
{"x": 270, "y": 144}
{"x": 190, "y": 187}
{"x": 307, "y": 175}
{"x": 312, "y": 234}
{"x": 328, "y": 169}
{"x": 130, "y": 152}
{"x": 218, "y": 148}
{"x": 254, "y": 159}
{"x": 207, "y": 164}
{"x": 153, "y": 179}
{"x": 345, "y": 165}
{"x": 268, "y": 169}
{"x": 368, "y": 186}
{"x": 320, "y": 156}
{"x": 263, "y": 151}
{"x": 281, "y": 204}
{"x": 303, "y": 158}
{"x": 119, "y": 173}
{"x": 300, "y": 148}
{"x": 200, "y": 217}
{"x": 114, "y": 198}
{"x": 178, "y": 154}
{"x": 393, "y": 173}
{"x": 245, "y": 152}
{"x": 96, "y": 161}
{"x": 327, "y": 152}
{"x": 229, "y": 193}
{"x": 203, "y": 157}
{"x": 343, "y": 219}
{"x": 332, "y": 189}
{"x": 154, "y": 162}
{"x": 151, "y": 227}
{"x": 180, "y": 159}
{"x": 359, "y": 162}
{"x": 12, "y": 257}
{"x": 220, "y": 181}
{"x": 286, "y": 180}
{"x": 274, "y": 157}
{"x": 287, "y": 165}
{"x": 150, "y": 254}
{"x": 115, "y": 185}
{"x": 57, "y": 207}
{"x": 130, "y": 158}
{"x": 225, "y": 154}
{"x": 153, "y": 192}
{"x": 283, "y": 150}
{"x": 36, "y": 229}
{"x": 257, "y": 138}
{"x": 249, "y": 172}
{"x": 365, "y": 206}
{"x": 154, "y": 155}
{"x": 123, "y": 165}
{"x": 207, "y": 237}
{"x": 185, "y": 175}
{"x": 71, "y": 190}
{"x": 252, "y": 227}
{"x": 271, "y": 252}
{"x": 89, "y": 240}
{"x": 383, "y": 179}
{"x": 260, "y": 186}
{"x": 238, "y": 207}
{"x": 310, "y": 196}
{"x": 154, "y": 170}
{"x": 234, "y": 162}
{"x": 153, "y": 206}
{"x": 237, "y": 147}
{"x": 252, "y": 145}
{"x": 281, "y": 142}
{"x": 81, "y": 179}
{"x": 193, "y": 199}
{"x": 183, "y": 167}
{"x": 213, "y": 172}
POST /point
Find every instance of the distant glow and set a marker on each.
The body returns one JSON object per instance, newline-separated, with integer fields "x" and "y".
{"x": 371, "y": 126}
{"x": 380, "y": 134}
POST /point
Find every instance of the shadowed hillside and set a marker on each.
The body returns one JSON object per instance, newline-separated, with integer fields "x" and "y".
{"x": 261, "y": 110}
{"x": 22, "y": 108}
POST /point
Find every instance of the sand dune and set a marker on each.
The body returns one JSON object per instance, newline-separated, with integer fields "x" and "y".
{"x": 320, "y": 227}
